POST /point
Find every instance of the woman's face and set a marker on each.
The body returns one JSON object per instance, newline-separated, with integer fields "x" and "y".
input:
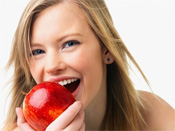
{"x": 65, "y": 50}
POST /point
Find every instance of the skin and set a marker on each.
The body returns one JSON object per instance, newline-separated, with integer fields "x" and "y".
{"x": 158, "y": 114}
{"x": 57, "y": 60}
{"x": 52, "y": 31}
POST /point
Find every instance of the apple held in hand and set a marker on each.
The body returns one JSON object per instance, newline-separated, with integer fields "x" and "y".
{"x": 44, "y": 103}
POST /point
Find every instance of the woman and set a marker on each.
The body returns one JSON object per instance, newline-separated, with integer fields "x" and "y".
{"x": 59, "y": 40}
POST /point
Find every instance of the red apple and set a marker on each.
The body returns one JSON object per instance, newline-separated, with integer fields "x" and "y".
{"x": 44, "y": 103}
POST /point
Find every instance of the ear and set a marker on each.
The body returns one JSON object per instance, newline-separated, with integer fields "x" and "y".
{"x": 107, "y": 57}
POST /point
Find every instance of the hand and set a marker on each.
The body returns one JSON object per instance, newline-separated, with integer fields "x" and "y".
{"x": 72, "y": 119}
{"x": 21, "y": 122}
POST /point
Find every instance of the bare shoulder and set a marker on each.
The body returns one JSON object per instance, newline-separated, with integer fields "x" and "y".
{"x": 158, "y": 114}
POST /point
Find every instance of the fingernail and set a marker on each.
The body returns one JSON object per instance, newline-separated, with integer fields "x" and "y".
{"x": 79, "y": 104}
{"x": 17, "y": 110}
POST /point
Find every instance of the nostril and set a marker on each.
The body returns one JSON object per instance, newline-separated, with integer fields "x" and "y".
{"x": 54, "y": 68}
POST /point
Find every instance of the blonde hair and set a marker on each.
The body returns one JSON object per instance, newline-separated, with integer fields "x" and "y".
{"x": 123, "y": 101}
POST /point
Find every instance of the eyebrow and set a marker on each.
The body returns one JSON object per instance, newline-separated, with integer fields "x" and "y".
{"x": 68, "y": 35}
{"x": 60, "y": 38}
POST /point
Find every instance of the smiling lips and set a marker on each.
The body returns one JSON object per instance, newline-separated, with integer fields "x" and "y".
{"x": 68, "y": 81}
{"x": 70, "y": 84}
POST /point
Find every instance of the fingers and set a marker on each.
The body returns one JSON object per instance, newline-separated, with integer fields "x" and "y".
{"x": 19, "y": 113}
{"x": 22, "y": 124}
{"x": 71, "y": 119}
{"x": 82, "y": 128}
{"x": 77, "y": 123}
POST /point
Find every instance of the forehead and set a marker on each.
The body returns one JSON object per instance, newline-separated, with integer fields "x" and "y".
{"x": 62, "y": 17}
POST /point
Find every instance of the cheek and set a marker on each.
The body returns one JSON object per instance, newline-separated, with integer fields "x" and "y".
{"x": 85, "y": 61}
{"x": 92, "y": 71}
{"x": 36, "y": 70}
{"x": 89, "y": 64}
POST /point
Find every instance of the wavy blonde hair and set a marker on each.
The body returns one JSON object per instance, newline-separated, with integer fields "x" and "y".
{"x": 123, "y": 101}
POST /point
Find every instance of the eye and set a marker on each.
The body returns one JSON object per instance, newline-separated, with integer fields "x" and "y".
{"x": 37, "y": 52}
{"x": 70, "y": 43}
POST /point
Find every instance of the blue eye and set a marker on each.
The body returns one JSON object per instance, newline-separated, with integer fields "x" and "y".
{"x": 70, "y": 43}
{"x": 37, "y": 52}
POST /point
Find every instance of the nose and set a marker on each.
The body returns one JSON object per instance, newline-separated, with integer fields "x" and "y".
{"x": 55, "y": 64}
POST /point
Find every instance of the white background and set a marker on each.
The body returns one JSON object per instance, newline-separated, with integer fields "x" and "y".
{"x": 146, "y": 26}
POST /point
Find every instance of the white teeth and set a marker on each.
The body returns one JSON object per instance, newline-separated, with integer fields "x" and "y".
{"x": 61, "y": 83}
{"x": 68, "y": 81}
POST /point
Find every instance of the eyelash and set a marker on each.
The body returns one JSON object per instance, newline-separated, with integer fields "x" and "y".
{"x": 70, "y": 43}
{"x": 66, "y": 45}
{"x": 37, "y": 52}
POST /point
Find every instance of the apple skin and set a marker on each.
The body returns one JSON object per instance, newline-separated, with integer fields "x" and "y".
{"x": 44, "y": 103}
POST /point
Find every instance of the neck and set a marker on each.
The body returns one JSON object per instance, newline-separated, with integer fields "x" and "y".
{"x": 95, "y": 112}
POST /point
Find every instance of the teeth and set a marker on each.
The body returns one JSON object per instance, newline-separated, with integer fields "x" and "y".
{"x": 68, "y": 81}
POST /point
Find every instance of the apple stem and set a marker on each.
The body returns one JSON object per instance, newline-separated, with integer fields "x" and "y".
{"x": 24, "y": 93}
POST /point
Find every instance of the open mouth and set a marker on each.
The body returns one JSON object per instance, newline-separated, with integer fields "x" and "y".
{"x": 71, "y": 85}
